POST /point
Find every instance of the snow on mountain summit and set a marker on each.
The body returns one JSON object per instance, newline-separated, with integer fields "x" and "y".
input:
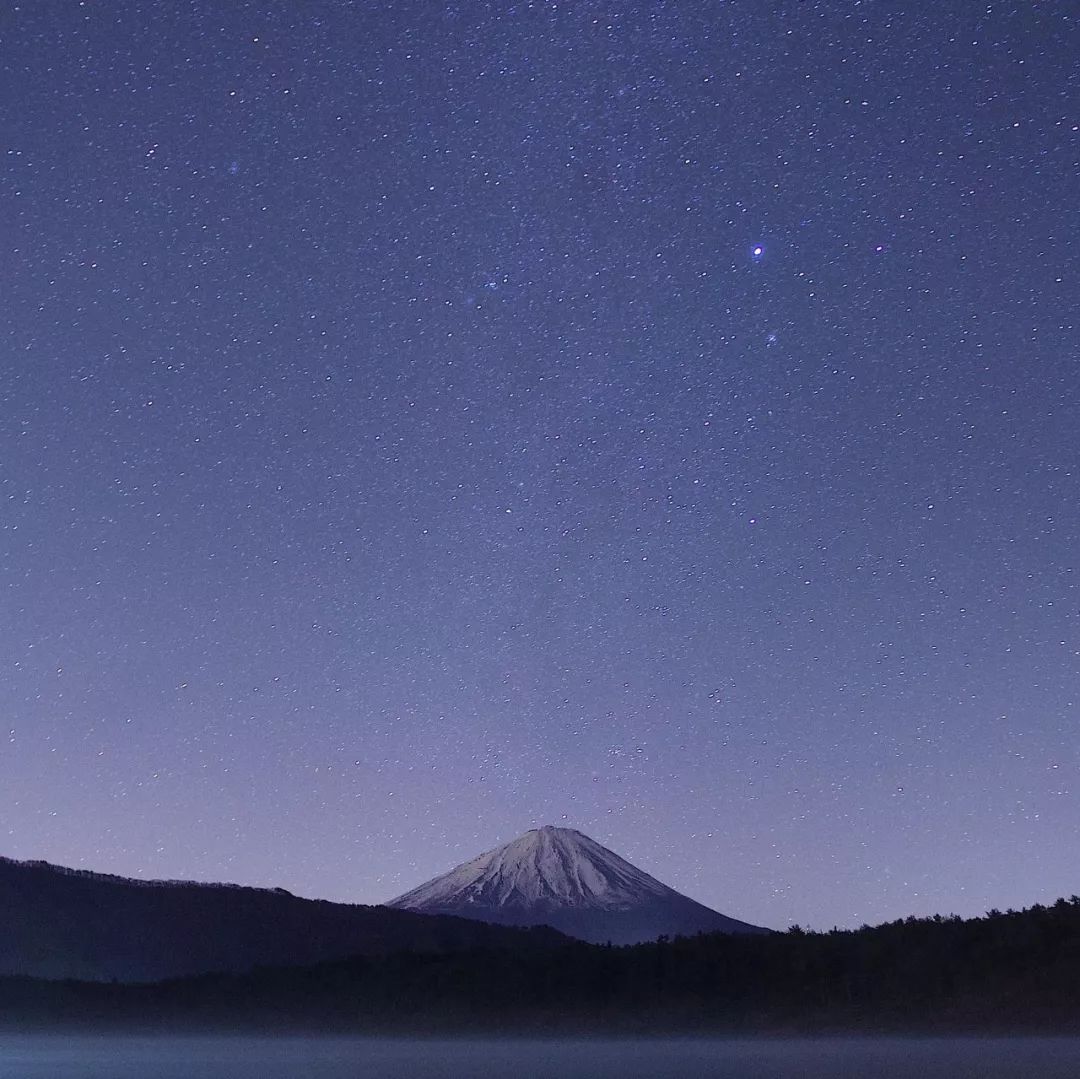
{"x": 545, "y": 867}
{"x": 562, "y": 878}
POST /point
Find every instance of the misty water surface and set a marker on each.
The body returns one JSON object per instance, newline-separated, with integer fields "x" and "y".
{"x": 23, "y": 1057}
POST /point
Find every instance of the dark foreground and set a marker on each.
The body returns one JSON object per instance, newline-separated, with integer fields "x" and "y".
{"x": 1016, "y": 973}
{"x": 58, "y": 1057}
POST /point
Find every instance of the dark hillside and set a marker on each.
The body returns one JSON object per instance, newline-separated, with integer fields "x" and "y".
{"x": 1003, "y": 973}
{"x": 63, "y": 923}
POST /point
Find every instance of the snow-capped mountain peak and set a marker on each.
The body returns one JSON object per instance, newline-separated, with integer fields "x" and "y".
{"x": 561, "y": 877}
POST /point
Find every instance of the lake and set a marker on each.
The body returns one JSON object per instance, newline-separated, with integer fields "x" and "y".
{"x": 111, "y": 1057}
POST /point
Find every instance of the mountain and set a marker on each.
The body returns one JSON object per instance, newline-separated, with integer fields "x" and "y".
{"x": 66, "y": 923}
{"x": 561, "y": 878}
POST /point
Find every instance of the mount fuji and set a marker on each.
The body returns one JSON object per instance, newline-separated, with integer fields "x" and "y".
{"x": 561, "y": 878}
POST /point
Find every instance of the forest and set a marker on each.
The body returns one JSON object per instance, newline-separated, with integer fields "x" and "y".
{"x": 1005, "y": 972}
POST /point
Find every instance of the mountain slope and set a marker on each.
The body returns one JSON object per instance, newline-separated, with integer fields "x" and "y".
{"x": 64, "y": 923}
{"x": 559, "y": 877}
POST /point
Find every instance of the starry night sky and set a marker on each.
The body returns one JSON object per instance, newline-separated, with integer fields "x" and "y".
{"x": 424, "y": 421}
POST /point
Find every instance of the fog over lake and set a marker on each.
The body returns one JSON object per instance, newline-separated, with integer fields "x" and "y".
{"x": 108, "y": 1057}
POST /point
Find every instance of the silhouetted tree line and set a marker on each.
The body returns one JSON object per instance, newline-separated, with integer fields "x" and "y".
{"x": 1012, "y": 971}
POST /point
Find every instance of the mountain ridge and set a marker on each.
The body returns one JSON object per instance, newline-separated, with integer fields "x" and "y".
{"x": 139, "y": 882}
{"x": 59, "y": 923}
